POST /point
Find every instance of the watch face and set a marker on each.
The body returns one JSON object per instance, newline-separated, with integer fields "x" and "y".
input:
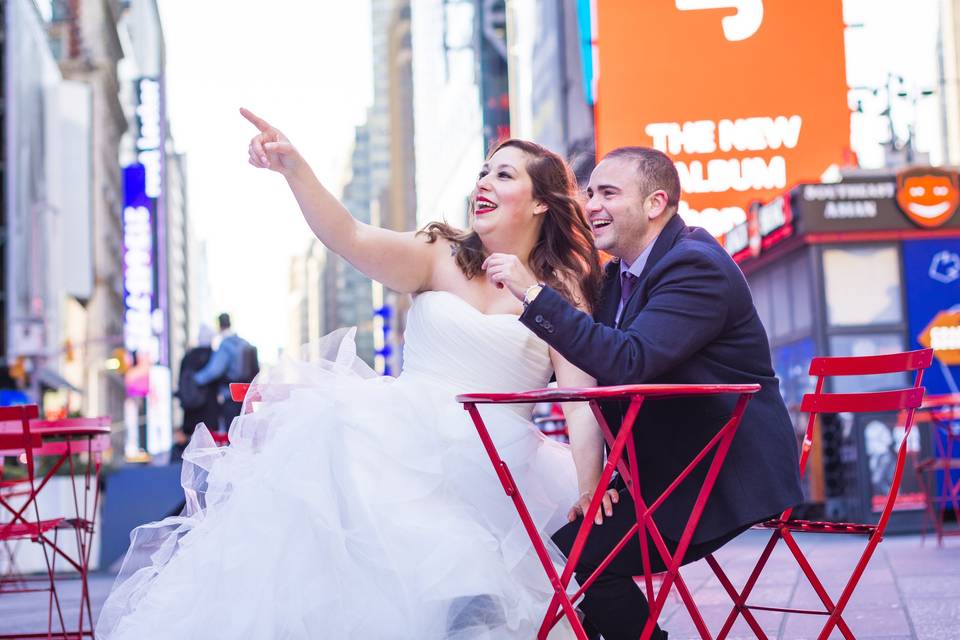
{"x": 531, "y": 293}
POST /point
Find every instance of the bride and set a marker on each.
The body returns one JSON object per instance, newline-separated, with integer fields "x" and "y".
{"x": 350, "y": 505}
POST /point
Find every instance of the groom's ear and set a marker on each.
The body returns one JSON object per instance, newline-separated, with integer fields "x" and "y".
{"x": 656, "y": 204}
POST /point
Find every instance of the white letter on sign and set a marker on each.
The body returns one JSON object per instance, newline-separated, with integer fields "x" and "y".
{"x": 741, "y": 25}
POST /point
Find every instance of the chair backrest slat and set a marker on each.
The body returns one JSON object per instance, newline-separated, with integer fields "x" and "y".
{"x": 18, "y": 442}
{"x": 875, "y": 401}
{"x": 871, "y": 365}
{"x": 19, "y": 412}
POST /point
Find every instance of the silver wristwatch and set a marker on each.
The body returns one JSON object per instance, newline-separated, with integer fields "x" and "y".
{"x": 531, "y": 293}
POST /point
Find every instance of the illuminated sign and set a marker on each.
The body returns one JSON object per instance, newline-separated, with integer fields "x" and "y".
{"x": 766, "y": 225}
{"x": 149, "y": 142}
{"x": 773, "y": 216}
{"x": 747, "y": 17}
{"x": 492, "y": 58}
{"x": 159, "y": 403}
{"x": 845, "y": 201}
{"x": 139, "y": 295}
{"x": 147, "y": 214}
{"x": 715, "y": 84}
{"x": 928, "y": 196}
{"x": 943, "y": 336}
{"x": 922, "y": 197}
{"x": 737, "y": 241}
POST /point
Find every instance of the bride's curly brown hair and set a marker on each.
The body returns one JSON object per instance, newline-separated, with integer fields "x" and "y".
{"x": 564, "y": 256}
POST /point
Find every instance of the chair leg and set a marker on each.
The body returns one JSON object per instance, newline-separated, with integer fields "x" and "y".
{"x": 86, "y": 612}
{"x": 817, "y": 587}
{"x": 740, "y": 599}
{"x": 54, "y": 599}
{"x": 691, "y": 608}
{"x": 928, "y": 500}
{"x": 738, "y": 608}
{"x": 836, "y": 618}
{"x": 11, "y": 574}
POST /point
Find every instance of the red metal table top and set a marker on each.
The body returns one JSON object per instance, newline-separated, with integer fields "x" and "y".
{"x": 80, "y": 427}
{"x": 606, "y": 393}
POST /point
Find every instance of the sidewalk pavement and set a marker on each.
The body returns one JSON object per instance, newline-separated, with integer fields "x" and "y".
{"x": 910, "y": 590}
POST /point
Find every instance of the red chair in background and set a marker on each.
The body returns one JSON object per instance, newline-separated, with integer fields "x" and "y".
{"x": 239, "y": 392}
{"x": 76, "y": 446}
{"x": 20, "y": 512}
{"x": 906, "y": 400}
{"x": 942, "y": 414}
{"x": 553, "y": 424}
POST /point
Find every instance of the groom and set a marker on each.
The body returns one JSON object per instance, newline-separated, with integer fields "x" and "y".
{"x": 674, "y": 308}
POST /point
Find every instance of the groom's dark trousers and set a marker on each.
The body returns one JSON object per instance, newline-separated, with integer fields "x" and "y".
{"x": 690, "y": 319}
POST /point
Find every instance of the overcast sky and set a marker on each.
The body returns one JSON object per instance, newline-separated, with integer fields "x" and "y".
{"x": 899, "y": 37}
{"x": 305, "y": 66}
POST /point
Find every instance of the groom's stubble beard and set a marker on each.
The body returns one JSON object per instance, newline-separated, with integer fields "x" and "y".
{"x": 625, "y": 237}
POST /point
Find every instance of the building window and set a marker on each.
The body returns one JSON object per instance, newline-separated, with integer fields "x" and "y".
{"x": 783, "y": 298}
{"x": 862, "y": 286}
{"x": 867, "y": 344}
{"x": 762, "y": 299}
{"x": 801, "y": 283}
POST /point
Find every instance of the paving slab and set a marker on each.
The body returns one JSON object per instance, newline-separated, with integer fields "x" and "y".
{"x": 910, "y": 590}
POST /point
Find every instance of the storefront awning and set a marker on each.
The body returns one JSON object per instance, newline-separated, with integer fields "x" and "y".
{"x": 53, "y": 380}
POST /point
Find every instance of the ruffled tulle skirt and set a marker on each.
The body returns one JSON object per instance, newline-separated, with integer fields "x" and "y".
{"x": 348, "y": 506}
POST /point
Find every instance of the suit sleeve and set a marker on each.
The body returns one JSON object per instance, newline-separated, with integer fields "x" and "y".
{"x": 686, "y": 310}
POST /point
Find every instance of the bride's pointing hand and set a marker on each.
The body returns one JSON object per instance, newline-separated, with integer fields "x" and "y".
{"x": 270, "y": 149}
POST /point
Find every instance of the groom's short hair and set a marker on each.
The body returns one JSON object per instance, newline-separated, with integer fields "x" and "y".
{"x": 655, "y": 170}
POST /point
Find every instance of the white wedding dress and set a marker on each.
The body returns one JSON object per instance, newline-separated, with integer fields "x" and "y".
{"x": 353, "y": 506}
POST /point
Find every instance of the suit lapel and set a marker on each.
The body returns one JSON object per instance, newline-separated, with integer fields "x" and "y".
{"x": 664, "y": 242}
{"x": 610, "y": 294}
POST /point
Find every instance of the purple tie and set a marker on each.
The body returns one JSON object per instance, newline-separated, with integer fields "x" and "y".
{"x": 628, "y": 282}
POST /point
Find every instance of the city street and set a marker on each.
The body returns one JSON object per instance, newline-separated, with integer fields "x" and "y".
{"x": 908, "y": 591}
{"x": 268, "y": 266}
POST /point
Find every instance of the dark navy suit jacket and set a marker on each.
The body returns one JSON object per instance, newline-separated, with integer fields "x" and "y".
{"x": 690, "y": 319}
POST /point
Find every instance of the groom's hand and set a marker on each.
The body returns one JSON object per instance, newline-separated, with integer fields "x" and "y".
{"x": 506, "y": 270}
{"x": 610, "y": 498}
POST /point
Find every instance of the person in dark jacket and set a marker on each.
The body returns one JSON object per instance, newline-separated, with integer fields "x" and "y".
{"x": 198, "y": 402}
{"x": 226, "y": 365}
{"x": 674, "y": 308}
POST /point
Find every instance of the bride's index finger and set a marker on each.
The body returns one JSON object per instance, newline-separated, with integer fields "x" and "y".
{"x": 255, "y": 120}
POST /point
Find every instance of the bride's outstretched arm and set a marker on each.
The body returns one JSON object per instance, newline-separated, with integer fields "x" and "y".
{"x": 586, "y": 440}
{"x": 401, "y": 261}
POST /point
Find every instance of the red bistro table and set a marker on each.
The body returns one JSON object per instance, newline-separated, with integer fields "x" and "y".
{"x": 562, "y": 604}
{"x": 60, "y": 441}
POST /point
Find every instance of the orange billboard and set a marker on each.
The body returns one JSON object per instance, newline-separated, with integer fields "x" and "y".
{"x": 747, "y": 96}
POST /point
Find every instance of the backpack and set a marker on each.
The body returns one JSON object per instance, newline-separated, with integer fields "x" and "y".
{"x": 192, "y": 396}
{"x": 249, "y": 363}
{"x": 244, "y": 363}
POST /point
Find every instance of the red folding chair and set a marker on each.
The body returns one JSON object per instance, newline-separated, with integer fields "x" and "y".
{"x": 74, "y": 445}
{"x": 942, "y": 414}
{"x": 784, "y": 528}
{"x": 623, "y": 443}
{"x": 553, "y": 424}
{"x": 241, "y": 391}
{"x": 22, "y": 520}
